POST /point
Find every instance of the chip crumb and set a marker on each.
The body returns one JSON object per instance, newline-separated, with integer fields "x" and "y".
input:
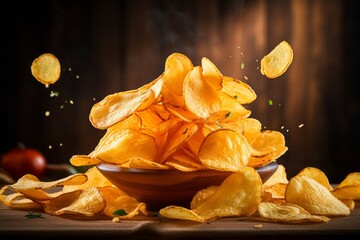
{"x": 246, "y": 78}
{"x": 71, "y": 102}
{"x": 282, "y": 127}
{"x": 301, "y": 125}
{"x": 258, "y": 225}
{"x": 115, "y": 220}
{"x": 50, "y": 147}
{"x": 77, "y": 76}
{"x": 69, "y": 69}
{"x": 47, "y": 113}
{"x": 61, "y": 144}
{"x": 230, "y": 56}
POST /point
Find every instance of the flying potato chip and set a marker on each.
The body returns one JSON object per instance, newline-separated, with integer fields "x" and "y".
{"x": 46, "y": 68}
{"x": 225, "y": 150}
{"x": 314, "y": 197}
{"x": 277, "y": 61}
{"x": 287, "y": 213}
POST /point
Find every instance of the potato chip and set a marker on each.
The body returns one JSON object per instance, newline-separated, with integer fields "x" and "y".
{"x": 202, "y": 195}
{"x": 349, "y": 188}
{"x": 314, "y": 197}
{"x": 94, "y": 179}
{"x": 225, "y": 150}
{"x": 177, "y": 212}
{"x": 287, "y": 213}
{"x": 238, "y": 90}
{"x": 177, "y": 66}
{"x": 17, "y": 200}
{"x": 317, "y": 175}
{"x": 46, "y": 68}
{"x": 125, "y": 144}
{"x": 87, "y": 202}
{"x": 182, "y": 134}
{"x": 277, "y": 61}
{"x": 143, "y": 163}
{"x": 211, "y": 74}
{"x": 83, "y": 160}
{"x": 279, "y": 176}
{"x": 116, "y": 199}
{"x": 200, "y": 98}
{"x": 111, "y": 110}
{"x": 238, "y": 195}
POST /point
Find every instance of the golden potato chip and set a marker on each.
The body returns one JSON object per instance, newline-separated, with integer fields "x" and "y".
{"x": 181, "y": 112}
{"x": 143, "y": 163}
{"x": 94, "y": 179}
{"x": 46, "y": 68}
{"x": 349, "y": 188}
{"x": 87, "y": 202}
{"x": 279, "y": 176}
{"x": 177, "y": 212}
{"x": 264, "y": 143}
{"x": 277, "y": 61}
{"x": 161, "y": 110}
{"x": 17, "y": 200}
{"x": 287, "y": 213}
{"x": 111, "y": 110}
{"x": 149, "y": 118}
{"x": 238, "y": 90}
{"x": 121, "y": 146}
{"x": 177, "y": 66}
{"x": 166, "y": 125}
{"x": 172, "y": 99}
{"x": 200, "y": 98}
{"x": 314, "y": 197}
{"x": 202, "y": 195}
{"x": 225, "y": 150}
{"x": 83, "y": 160}
{"x": 182, "y": 134}
{"x": 116, "y": 199}
{"x": 238, "y": 195}
{"x": 211, "y": 74}
{"x": 276, "y": 190}
{"x": 317, "y": 175}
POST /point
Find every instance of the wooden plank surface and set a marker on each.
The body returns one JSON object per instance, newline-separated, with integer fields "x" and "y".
{"x": 13, "y": 223}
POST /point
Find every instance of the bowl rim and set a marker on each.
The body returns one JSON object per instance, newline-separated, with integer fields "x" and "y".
{"x": 118, "y": 169}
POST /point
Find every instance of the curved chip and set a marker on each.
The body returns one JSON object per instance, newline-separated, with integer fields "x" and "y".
{"x": 211, "y": 74}
{"x": 287, "y": 213}
{"x": 225, "y": 150}
{"x": 177, "y": 66}
{"x": 317, "y": 175}
{"x": 314, "y": 197}
{"x": 238, "y": 90}
{"x": 200, "y": 98}
{"x": 277, "y": 61}
{"x": 46, "y": 68}
{"x": 121, "y": 146}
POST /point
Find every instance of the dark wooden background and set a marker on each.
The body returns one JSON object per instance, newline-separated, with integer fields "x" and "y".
{"x": 110, "y": 46}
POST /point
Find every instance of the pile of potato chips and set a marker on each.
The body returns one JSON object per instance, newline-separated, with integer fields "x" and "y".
{"x": 191, "y": 118}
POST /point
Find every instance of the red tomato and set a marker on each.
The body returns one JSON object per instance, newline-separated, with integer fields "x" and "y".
{"x": 20, "y": 161}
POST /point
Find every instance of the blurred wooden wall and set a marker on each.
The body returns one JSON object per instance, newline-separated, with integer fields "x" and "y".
{"x": 110, "y": 46}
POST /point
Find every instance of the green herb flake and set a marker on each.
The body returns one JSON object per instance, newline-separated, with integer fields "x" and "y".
{"x": 31, "y": 215}
{"x": 235, "y": 96}
{"x": 242, "y": 66}
{"x": 228, "y": 114}
{"x": 119, "y": 212}
{"x": 54, "y": 94}
{"x": 270, "y": 102}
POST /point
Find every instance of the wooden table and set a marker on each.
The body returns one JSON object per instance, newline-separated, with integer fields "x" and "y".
{"x": 13, "y": 223}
